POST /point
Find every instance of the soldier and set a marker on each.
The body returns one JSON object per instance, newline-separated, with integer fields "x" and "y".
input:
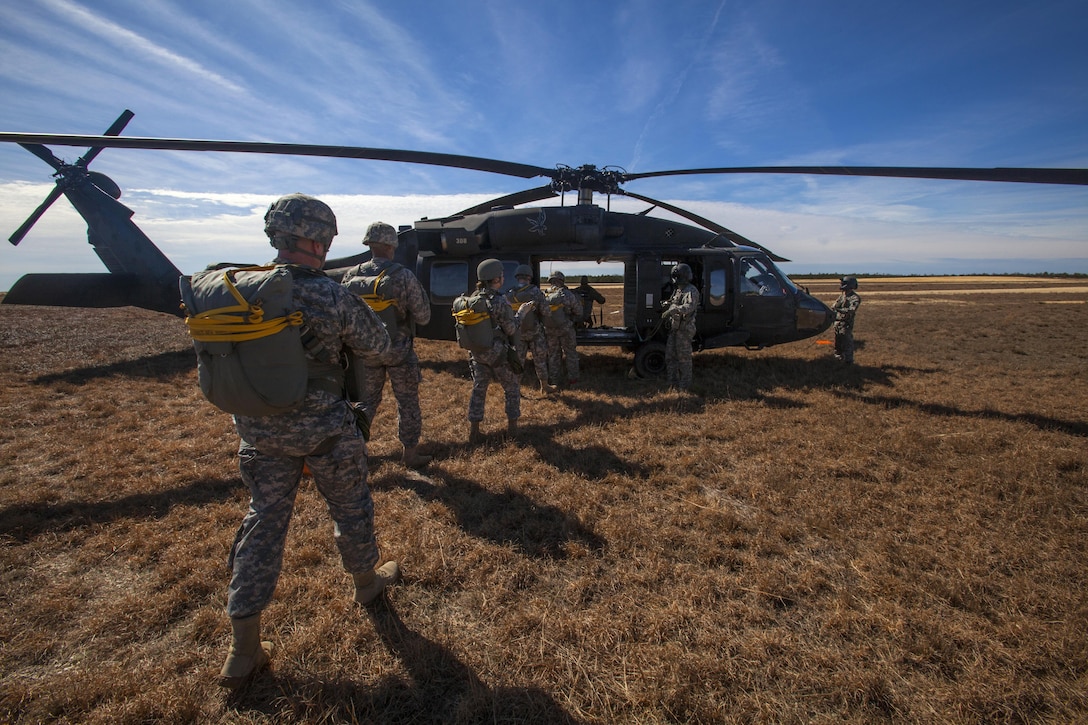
{"x": 564, "y": 308}
{"x": 493, "y": 364}
{"x": 530, "y": 308}
{"x": 387, "y": 285}
{"x": 845, "y": 309}
{"x": 588, "y": 295}
{"x": 679, "y": 316}
{"x": 321, "y": 433}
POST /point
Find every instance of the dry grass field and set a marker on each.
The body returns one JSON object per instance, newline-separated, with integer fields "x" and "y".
{"x": 904, "y": 540}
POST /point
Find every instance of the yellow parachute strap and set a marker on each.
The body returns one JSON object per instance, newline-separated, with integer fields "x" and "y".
{"x": 240, "y": 322}
{"x": 553, "y": 308}
{"x": 470, "y": 317}
{"x": 374, "y": 300}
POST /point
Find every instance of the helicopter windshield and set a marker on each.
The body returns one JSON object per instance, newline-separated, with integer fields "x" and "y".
{"x": 761, "y": 277}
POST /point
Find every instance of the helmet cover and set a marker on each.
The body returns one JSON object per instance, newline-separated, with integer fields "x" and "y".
{"x": 302, "y": 216}
{"x": 488, "y": 270}
{"x": 380, "y": 233}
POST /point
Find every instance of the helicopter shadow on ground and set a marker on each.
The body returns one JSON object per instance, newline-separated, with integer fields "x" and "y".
{"x": 1042, "y": 422}
{"x": 24, "y": 522}
{"x": 536, "y": 529}
{"x": 439, "y": 688}
{"x": 161, "y": 365}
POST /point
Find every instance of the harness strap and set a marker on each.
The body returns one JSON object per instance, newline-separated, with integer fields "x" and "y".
{"x": 241, "y": 322}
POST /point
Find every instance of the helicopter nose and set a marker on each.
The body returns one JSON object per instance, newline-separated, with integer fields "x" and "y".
{"x": 813, "y": 316}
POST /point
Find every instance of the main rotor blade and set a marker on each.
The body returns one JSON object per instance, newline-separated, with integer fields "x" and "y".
{"x": 706, "y": 223}
{"x": 44, "y": 154}
{"x": 521, "y": 197}
{"x": 1026, "y": 176}
{"x": 114, "y": 130}
{"x": 457, "y": 161}
{"x": 30, "y": 221}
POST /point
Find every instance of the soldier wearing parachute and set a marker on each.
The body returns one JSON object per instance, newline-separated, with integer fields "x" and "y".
{"x": 319, "y": 430}
{"x": 400, "y": 301}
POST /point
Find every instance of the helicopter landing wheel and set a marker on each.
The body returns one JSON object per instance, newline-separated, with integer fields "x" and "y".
{"x": 650, "y": 360}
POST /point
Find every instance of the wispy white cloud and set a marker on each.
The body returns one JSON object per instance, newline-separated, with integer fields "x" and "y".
{"x": 130, "y": 41}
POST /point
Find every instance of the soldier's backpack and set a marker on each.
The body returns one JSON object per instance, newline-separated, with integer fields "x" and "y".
{"x": 249, "y": 341}
{"x": 472, "y": 320}
{"x": 526, "y": 312}
{"x": 557, "y": 311}
{"x": 385, "y": 306}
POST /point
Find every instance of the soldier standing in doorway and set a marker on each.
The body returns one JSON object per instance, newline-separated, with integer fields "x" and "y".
{"x": 679, "y": 316}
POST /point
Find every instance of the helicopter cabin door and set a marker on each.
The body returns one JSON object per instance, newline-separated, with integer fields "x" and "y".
{"x": 648, "y": 292}
{"x": 766, "y": 303}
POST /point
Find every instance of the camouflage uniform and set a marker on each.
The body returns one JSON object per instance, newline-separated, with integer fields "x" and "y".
{"x": 679, "y": 315}
{"x": 320, "y": 433}
{"x": 845, "y": 308}
{"x": 531, "y": 306}
{"x": 401, "y": 363}
{"x": 565, "y": 308}
{"x": 493, "y": 365}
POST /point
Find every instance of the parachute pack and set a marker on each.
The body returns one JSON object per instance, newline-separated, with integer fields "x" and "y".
{"x": 472, "y": 320}
{"x": 557, "y": 311}
{"x": 526, "y": 312}
{"x": 385, "y": 307}
{"x": 249, "y": 341}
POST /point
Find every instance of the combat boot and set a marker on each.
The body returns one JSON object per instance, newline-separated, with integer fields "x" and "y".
{"x": 248, "y": 654}
{"x": 474, "y": 434}
{"x": 412, "y": 458}
{"x": 548, "y": 389}
{"x": 369, "y": 585}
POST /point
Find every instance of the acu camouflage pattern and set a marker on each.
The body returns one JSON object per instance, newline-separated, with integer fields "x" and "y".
{"x": 320, "y": 433}
{"x": 845, "y": 309}
{"x": 400, "y": 364}
{"x": 531, "y": 308}
{"x": 679, "y": 315}
{"x": 300, "y": 215}
{"x": 562, "y": 340}
{"x": 492, "y": 364}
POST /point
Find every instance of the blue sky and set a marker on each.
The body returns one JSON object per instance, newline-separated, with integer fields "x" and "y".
{"x": 642, "y": 85}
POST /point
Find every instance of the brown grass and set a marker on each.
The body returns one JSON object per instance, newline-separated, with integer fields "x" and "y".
{"x": 905, "y": 540}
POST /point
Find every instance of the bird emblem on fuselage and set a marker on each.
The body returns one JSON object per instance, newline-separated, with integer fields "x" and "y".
{"x": 538, "y": 226}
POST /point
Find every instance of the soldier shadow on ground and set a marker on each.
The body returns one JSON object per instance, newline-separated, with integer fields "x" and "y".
{"x": 24, "y": 522}
{"x": 439, "y": 688}
{"x": 1042, "y": 422}
{"x": 161, "y": 365}
{"x": 537, "y": 530}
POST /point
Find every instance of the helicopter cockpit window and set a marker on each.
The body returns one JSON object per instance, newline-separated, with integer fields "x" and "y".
{"x": 449, "y": 279}
{"x": 757, "y": 279}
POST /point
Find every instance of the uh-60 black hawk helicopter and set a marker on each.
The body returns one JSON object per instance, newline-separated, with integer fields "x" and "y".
{"x": 746, "y": 299}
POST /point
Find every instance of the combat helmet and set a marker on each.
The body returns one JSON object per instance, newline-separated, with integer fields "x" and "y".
{"x": 523, "y": 270}
{"x": 848, "y": 283}
{"x": 681, "y": 273}
{"x": 381, "y": 233}
{"x": 557, "y": 277}
{"x": 488, "y": 270}
{"x": 299, "y": 216}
